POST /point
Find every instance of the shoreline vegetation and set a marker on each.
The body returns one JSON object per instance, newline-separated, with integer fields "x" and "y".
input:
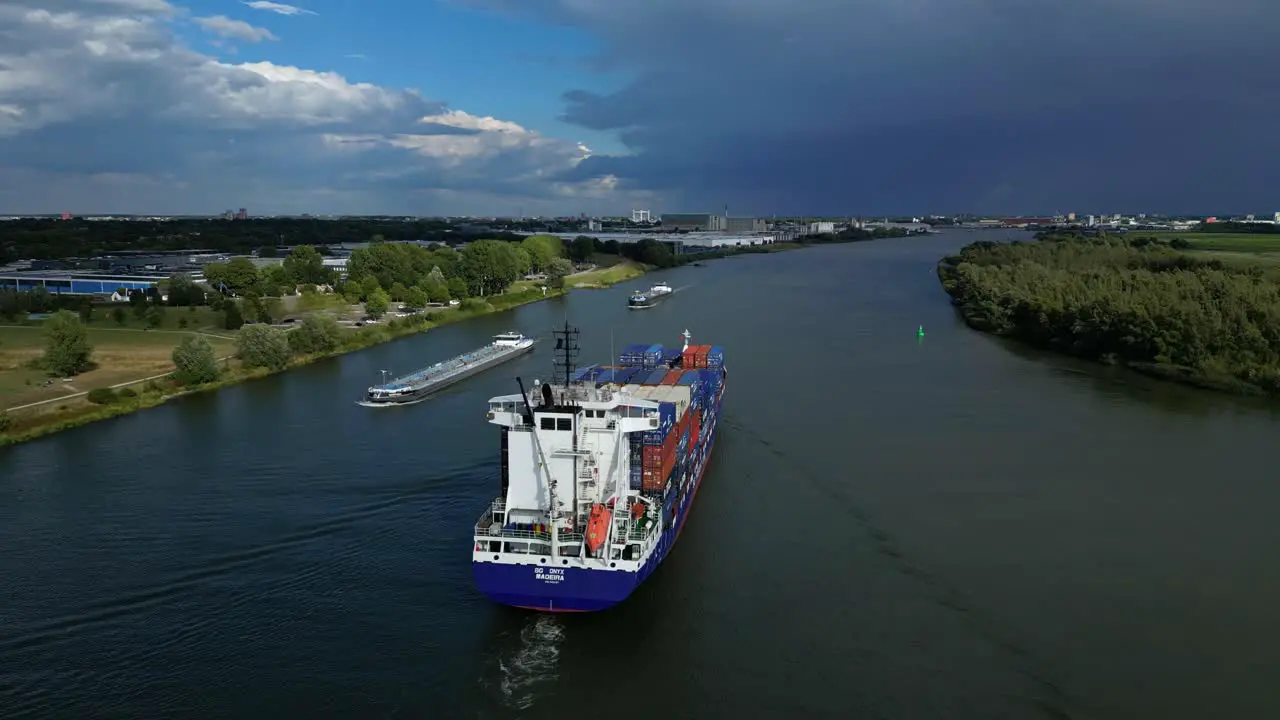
{"x": 102, "y": 361}
{"x": 246, "y": 322}
{"x": 1198, "y": 309}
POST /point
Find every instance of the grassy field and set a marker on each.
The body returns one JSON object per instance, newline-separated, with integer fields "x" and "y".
{"x": 603, "y": 277}
{"x": 122, "y": 355}
{"x": 1226, "y": 245}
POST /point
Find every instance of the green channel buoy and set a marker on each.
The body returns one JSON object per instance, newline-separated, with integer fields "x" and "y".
{"x": 920, "y": 331}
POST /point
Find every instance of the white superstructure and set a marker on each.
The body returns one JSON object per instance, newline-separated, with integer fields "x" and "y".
{"x": 574, "y": 455}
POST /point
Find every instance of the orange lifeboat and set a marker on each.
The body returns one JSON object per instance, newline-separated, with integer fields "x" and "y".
{"x": 597, "y": 527}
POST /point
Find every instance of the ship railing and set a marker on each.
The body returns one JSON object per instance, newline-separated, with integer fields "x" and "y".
{"x": 488, "y": 528}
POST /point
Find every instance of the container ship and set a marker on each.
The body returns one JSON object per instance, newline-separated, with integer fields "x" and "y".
{"x": 599, "y": 469}
{"x": 640, "y": 300}
{"x": 420, "y": 385}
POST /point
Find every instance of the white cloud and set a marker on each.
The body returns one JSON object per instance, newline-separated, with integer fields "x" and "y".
{"x": 278, "y": 8}
{"x": 225, "y": 27}
{"x": 99, "y": 103}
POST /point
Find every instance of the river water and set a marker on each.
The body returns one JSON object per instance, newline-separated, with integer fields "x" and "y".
{"x": 892, "y": 526}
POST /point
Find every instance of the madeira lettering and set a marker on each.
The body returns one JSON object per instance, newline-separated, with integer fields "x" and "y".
{"x": 549, "y": 575}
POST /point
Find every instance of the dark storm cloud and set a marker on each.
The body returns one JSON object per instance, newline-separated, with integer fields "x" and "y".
{"x": 936, "y": 105}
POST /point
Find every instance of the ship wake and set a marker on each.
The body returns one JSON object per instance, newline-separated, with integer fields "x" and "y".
{"x": 533, "y": 664}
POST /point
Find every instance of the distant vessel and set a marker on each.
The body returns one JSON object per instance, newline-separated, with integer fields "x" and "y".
{"x": 417, "y": 386}
{"x": 599, "y": 470}
{"x": 647, "y": 299}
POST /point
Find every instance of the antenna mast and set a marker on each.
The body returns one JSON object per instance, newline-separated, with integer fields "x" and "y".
{"x": 566, "y": 353}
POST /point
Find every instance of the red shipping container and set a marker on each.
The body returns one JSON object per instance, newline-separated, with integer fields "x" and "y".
{"x": 656, "y": 478}
{"x": 672, "y": 377}
{"x": 695, "y": 426}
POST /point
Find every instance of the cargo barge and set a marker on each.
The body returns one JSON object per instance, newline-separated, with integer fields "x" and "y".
{"x": 418, "y": 386}
{"x": 657, "y": 293}
{"x": 599, "y": 470}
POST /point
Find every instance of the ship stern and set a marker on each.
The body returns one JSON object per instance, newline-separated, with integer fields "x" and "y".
{"x": 545, "y": 588}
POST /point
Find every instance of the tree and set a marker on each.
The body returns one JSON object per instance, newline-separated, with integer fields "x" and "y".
{"x": 657, "y": 254}
{"x": 457, "y": 288}
{"x": 195, "y": 361}
{"x": 262, "y": 346}
{"x": 138, "y": 301}
{"x": 305, "y": 266}
{"x": 183, "y": 291}
{"x": 557, "y": 270}
{"x": 542, "y": 250}
{"x": 524, "y": 262}
{"x": 155, "y": 316}
{"x": 273, "y": 281}
{"x": 582, "y": 248}
{"x": 416, "y": 298}
{"x": 316, "y": 334}
{"x": 398, "y": 292}
{"x": 117, "y": 314}
{"x": 377, "y": 303}
{"x": 239, "y": 275}
{"x": 86, "y": 312}
{"x": 231, "y": 317}
{"x": 67, "y": 349}
{"x": 489, "y": 266}
{"x": 368, "y": 287}
{"x": 436, "y": 287}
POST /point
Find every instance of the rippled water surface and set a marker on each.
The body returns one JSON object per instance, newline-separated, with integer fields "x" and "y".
{"x": 891, "y": 527}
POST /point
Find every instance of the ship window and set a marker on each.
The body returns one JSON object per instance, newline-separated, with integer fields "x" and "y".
{"x": 547, "y": 423}
{"x": 564, "y": 423}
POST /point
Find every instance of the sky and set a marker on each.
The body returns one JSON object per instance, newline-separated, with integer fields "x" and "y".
{"x": 551, "y": 107}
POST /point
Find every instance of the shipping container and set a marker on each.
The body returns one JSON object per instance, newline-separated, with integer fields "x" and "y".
{"x": 650, "y": 377}
{"x": 656, "y": 478}
{"x": 715, "y": 357}
{"x": 582, "y": 374}
{"x": 670, "y": 355}
{"x": 673, "y": 377}
{"x": 605, "y": 376}
{"x": 626, "y": 375}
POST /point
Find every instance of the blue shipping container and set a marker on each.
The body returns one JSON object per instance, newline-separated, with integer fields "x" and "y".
{"x": 688, "y": 378}
{"x": 671, "y": 354}
{"x": 667, "y": 420}
{"x": 654, "y": 377}
{"x": 583, "y": 373}
{"x": 605, "y": 376}
{"x": 626, "y": 375}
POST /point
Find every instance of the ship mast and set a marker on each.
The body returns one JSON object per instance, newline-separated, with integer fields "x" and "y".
{"x": 563, "y": 366}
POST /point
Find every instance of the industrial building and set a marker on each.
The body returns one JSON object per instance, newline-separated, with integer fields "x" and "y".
{"x": 63, "y": 283}
{"x": 693, "y": 222}
{"x": 683, "y": 243}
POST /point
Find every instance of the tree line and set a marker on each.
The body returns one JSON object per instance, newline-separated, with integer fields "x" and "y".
{"x": 1138, "y": 302}
{"x": 53, "y": 239}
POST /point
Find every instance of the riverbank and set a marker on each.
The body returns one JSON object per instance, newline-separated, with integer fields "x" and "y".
{"x": 55, "y": 416}
{"x": 1158, "y": 311}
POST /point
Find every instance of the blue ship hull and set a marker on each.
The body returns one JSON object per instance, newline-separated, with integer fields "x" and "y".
{"x": 584, "y": 590}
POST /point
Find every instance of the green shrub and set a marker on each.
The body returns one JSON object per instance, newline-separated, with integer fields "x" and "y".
{"x": 102, "y": 396}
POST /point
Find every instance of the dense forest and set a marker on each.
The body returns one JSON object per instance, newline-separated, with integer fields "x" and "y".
{"x": 1137, "y": 302}
{"x": 47, "y": 239}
